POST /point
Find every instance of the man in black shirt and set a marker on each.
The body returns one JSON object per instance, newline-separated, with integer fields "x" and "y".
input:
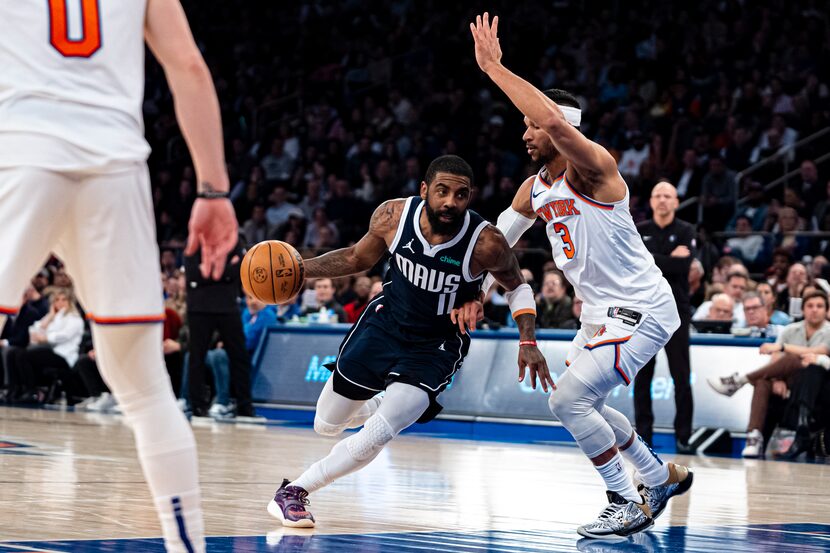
{"x": 213, "y": 305}
{"x": 671, "y": 242}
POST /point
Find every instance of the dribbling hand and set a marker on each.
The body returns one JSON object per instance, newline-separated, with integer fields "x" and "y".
{"x": 214, "y": 230}
{"x": 488, "y": 51}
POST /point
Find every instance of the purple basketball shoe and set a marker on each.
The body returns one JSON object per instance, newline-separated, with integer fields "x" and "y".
{"x": 288, "y": 506}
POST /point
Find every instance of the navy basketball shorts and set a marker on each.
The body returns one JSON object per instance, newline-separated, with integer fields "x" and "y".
{"x": 377, "y": 352}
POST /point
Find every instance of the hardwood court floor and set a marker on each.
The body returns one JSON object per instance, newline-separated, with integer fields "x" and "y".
{"x": 73, "y": 476}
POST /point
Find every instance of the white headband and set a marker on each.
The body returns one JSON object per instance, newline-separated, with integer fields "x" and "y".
{"x": 572, "y": 115}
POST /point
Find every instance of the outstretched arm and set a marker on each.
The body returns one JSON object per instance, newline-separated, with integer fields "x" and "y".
{"x": 492, "y": 253}
{"x": 212, "y": 226}
{"x": 590, "y": 160}
{"x": 363, "y": 255}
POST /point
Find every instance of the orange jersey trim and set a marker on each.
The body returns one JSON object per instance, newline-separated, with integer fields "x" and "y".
{"x": 8, "y": 310}
{"x": 586, "y": 199}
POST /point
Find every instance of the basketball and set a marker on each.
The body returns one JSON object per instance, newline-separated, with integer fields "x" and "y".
{"x": 272, "y": 272}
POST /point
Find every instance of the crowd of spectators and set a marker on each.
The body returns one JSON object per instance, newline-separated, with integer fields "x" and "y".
{"x": 331, "y": 108}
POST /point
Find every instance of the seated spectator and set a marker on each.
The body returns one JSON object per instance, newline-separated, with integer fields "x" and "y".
{"x": 54, "y": 342}
{"x": 576, "y": 313}
{"x": 794, "y": 285}
{"x": 696, "y": 283}
{"x": 720, "y": 308}
{"x": 809, "y": 406}
{"x": 783, "y": 238}
{"x": 755, "y": 207}
{"x": 769, "y": 296}
{"x": 256, "y": 318}
{"x": 362, "y": 287}
{"x": 757, "y": 315}
{"x": 16, "y": 332}
{"x": 256, "y": 229}
{"x": 553, "y": 308}
{"x": 750, "y": 248}
{"x": 321, "y": 233}
{"x": 327, "y": 309}
{"x": 812, "y": 335}
{"x": 735, "y": 286}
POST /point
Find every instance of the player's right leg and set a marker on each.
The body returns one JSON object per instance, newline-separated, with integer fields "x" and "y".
{"x": 33, "y": 208}
{"x": 109, "y": 247}
{"x": 401, "y": 407}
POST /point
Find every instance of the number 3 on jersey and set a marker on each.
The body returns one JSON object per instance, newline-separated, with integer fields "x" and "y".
{"x": 567, "y": 243}
{"x": 89, "y": 43}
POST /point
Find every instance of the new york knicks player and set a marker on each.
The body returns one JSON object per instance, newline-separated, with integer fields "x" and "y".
{"x": 628, "y": 312}
{"x": 405, "y": 342}
{"x": 73, "y": 180}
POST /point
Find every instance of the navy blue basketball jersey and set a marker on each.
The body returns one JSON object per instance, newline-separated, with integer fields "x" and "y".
{"x": 425, "y": 282}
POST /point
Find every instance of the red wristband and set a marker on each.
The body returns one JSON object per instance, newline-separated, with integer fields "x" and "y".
{"x": 527, "y": 343}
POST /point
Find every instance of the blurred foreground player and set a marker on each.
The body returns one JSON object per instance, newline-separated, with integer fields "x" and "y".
{"x": 73, "y": 180}
{"x": 406, "y": 341}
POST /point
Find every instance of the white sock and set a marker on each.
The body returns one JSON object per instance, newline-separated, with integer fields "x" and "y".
{"x": 741, "y": 379}
{"x": 617, "y": 479}
{"x": 651, "y": 469}
{"x": 131, "y": 362}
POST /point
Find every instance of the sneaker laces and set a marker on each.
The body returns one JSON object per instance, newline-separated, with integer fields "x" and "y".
{"x": 609, "y": 512}
{"x": 296, "y": 496}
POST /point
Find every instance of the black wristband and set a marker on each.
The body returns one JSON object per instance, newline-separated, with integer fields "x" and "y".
{"x": 213, "y": 195}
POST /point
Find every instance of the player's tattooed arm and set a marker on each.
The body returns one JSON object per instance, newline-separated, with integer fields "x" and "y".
{"x": 368, "y": 250}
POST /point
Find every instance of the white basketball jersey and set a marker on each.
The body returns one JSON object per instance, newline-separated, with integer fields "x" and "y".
{"x": 600, "y": 251}
{"x": 71, "y": 83}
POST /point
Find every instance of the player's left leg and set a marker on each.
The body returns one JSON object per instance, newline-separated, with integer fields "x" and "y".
{"x": 110, "y": 248}
{"x": 401, "y": 407}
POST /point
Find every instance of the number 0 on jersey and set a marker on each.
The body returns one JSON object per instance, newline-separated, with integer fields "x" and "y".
{"x": 89, "y": 43}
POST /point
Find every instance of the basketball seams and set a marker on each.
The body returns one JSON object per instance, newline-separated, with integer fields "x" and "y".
{"x": 250, "y": 260}
{"x": 271, "y": 278}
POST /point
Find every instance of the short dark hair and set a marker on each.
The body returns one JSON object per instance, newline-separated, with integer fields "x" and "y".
{"x": 451, "y": 164}
{"x": 738, "y": 274}
{"x": 816, "y": 294}
{"x": 562, "y": 97}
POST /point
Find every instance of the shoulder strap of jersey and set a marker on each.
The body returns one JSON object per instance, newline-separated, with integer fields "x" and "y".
{"x": 477, "y": 225}
{"x": 402, "y": 222}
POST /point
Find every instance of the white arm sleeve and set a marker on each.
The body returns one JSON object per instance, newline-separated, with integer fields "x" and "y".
{"x": 512, "y": 225}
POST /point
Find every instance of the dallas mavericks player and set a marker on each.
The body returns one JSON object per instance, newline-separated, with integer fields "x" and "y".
{"x": 628, "y": 313}
{"x": 405, "y": 342}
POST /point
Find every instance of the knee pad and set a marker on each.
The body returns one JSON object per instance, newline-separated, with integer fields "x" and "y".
{"x": 573, "y": 404}
{"x": 326, "y": 429}
{"x": 619, "y": 424}
{"x": 367, "y": 443}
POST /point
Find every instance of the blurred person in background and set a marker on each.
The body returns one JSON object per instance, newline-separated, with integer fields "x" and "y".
{"x": 672, "y": 244}
{"x": 362, "y": 288}
{"x": 553, "y": 307}
{"x": 212, "y": 306}
{"x": 770, "y": 298}
{"x": 324, "y": 296}
{"x": 812, "y": 335}
{"x": 53, "y": 343}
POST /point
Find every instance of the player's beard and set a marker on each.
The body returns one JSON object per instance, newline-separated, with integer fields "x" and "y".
{"x": 444, "y": 228}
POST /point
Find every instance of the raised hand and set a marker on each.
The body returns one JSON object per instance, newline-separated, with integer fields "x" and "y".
{"x": 488, "y": 51}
